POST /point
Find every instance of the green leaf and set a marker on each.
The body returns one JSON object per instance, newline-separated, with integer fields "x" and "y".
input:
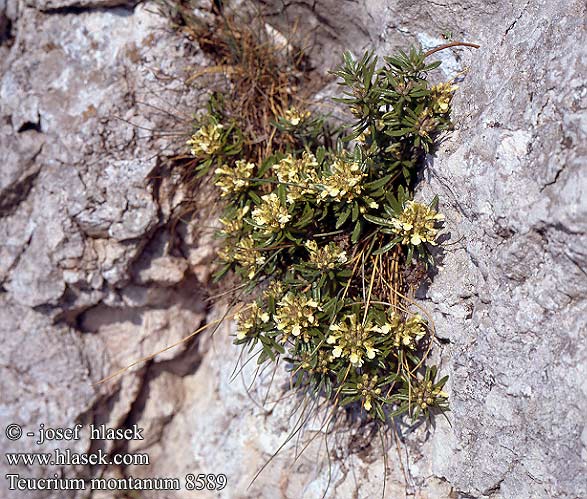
{"x": 432, "y": 66}
{"x": 342, "y": 218}
{"x": 221, "y": 272}
{"x": 376, "y": 220}
{"x": 263, "y": 356}
{"x": 384, "y": 249}
{"x": 355, "y": 211}
{"x": 410, "y": 254}
{"x": 350, "y": 400}
{"x": 398, "y": 133}
{"x": 407, "y": 174}
{"x": 394, "y": 61}
{"x": 379, "y": 411}
{"x": 320, "y": 155}
{"x": 389, "y": 378}
{"x": 356, "y": 232}
{"x": 348, "y": 58}
{"x": 255, "y": 198}
{"x": 441, "y": 383}
{"x": 377, "y": 184}
{"x": 281, "y": 192}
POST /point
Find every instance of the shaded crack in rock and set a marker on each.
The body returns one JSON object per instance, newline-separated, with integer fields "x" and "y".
{"x": 31, "y": 125}
{"x": 16, "y": 193}
{"x": 555, "y": 179}
{"x": 81, "y": 7}
{"x": 511, "y": 26}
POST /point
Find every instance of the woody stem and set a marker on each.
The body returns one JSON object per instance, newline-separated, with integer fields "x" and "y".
{"x": 448, "y": 45}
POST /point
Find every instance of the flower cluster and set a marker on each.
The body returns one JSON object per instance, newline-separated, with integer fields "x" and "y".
{"x": 206, "y": 141}
{"x": 233, "y": 224}
{"x": 249, "y": 319}
{"x": 299, "y": 175}
{"x": 295, "y": 314}
{"x": 352, "y": 339}
{"x": 405, "y": 333}
{"x": 233, "y": 179}
{"x": 246, "y": 254}
{"x": 294, "y": 117}
{"x": 441, "y": 95}
{"x": 271, "y": 215}
{"x": 327, "y": 257}
{"x": 367, "y": 387}
{"x": 416, "y": 224}
{"x": 426, "y": 124}
{"x": 426, "y": 394}
{"x": 342, "y": 181}
{"x": 320, "y": 362}
{"x": 274, "y": 290}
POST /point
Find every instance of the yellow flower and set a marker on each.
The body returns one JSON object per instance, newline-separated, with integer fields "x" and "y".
{"x": 416, "y": 224}
{"x": 295, "y": 314}
{"x": 441, "y": 95}
{"x": 362, "y": 138}
{"x": 234, "y": 224}
{"x": 367, "y": 387}
{"x": 327, "y": 257}
{"x": 249, "y": 319}
{"x": 299, "y": 175}
{"x": 343, "y": 181}
{"x": 405, "y": 333}
{"x": 426, "y": 123}
{"x": 353, "y": 340}
{"x": 206, "y": 141}
{"x": 245, "y": 253}
{"x": 295, "y": 117}
{"x": 274, "y": 290}
{"x": 322, "y": 364}
{"x": 232, "y": 179}
{"x": 271, "y": 214}
{"x": 425, "y": 395}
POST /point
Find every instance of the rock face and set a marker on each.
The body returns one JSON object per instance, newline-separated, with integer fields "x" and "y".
{"x": 92, "y": 277}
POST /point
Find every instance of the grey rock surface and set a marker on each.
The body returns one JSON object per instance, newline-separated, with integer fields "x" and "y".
{"x": 92, "y": 99}
{"x": 89, "y": 280}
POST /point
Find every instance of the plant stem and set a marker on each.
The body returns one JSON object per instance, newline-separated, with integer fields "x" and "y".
{"x": 448, "y": 45}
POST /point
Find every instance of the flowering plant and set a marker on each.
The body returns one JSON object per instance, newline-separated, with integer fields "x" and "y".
{"x": 322, "y": 229}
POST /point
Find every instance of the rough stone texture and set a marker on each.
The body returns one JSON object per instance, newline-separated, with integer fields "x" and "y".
{"x": 91, "y": 279}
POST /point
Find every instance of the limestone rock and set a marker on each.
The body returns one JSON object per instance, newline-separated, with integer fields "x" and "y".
{"x": 46, "y": 379}
{"x": 84, "y": 290}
